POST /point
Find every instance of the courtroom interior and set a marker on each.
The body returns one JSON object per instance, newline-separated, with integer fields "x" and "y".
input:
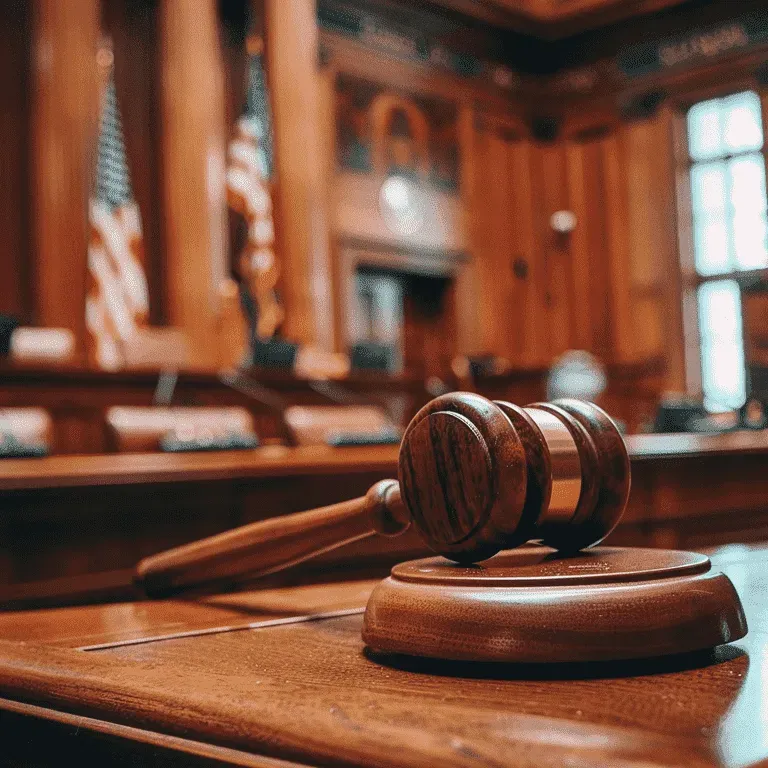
{"x": 295, "y": 294}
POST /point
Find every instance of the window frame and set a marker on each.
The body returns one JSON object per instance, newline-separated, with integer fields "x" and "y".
{"x": 691, "y": 280}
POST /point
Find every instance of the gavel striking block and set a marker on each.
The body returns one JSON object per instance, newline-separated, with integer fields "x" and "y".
{"x": 476, "y": 477}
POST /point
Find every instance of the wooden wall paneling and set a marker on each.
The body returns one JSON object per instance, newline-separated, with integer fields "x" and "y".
{"x": 15, "y": 128}
{"x": 292, "y": 55}
{"x": 134, "y": 29}
{"x": 64, "y": 129}
{"x": 587, "y": 191}
{"x": 652, "y": 252}
{"x": 554, "y": 251}
{"x": 510, "y": 270}
{"x": 468, "y": 307}
{"x": 194, "y": 193}
{"x": 642, "y": 219}
{"x": 528, "y": 274}
{"x": 498, "y": 186}
{"x": 494, "y": 241}
{"x": 623, "y": 326}
{"x": 582, "y": 175}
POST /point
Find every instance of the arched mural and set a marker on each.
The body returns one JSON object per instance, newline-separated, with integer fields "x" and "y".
{"x": 382, "y": 131}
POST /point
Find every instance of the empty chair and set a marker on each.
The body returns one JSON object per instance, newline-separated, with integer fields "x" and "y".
{"x": 25, "y": 432}
{"x": 340, "y": 425}
{"x": 179, "y": 428}
{"x": 41, "y": 346}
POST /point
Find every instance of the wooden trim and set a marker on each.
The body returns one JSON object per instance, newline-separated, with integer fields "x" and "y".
{"x": 355, "y": 58}
{"x": 706, "y": 80}
{"x": 672, "y": 288}
{"x": 555, "y": 19}
{"x": 224, "y": 466}
{"x": 152, "y": 739}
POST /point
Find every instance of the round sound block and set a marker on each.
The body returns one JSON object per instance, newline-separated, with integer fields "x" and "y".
{"x": 533, "y": 605}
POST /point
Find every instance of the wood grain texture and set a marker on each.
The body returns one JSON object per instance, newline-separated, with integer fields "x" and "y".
{"x": 291, "y": 50}
{"x": 463, "y": 476}
{"x": 35, "y": 736}
{"x": 265, "y": 547}
{"x": 64, "y": 115}
{"x": 532, "y": 606}
{"x": 126, "y": 623}
{"x": 15, "y": 132}
{"x": 193, "y": 146}
{"x": 307, "y": 692}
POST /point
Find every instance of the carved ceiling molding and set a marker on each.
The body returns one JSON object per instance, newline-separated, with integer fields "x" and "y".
{"x": 555, "y": 18}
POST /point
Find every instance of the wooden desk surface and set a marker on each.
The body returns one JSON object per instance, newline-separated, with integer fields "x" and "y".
{"x": 691, "y": 445}
{"x": 281, "y": 675}
{"x": 152, "y": 468}
{"x": 279, "y": 461}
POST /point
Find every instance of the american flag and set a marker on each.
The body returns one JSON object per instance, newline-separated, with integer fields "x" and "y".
{"x": 248, "y": 194}
{"x": 117, "y": 303}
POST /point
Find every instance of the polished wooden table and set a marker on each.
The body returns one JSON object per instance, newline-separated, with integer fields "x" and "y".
{"x": 281, "y": 677}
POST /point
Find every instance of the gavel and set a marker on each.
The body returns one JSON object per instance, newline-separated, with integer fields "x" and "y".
{"x": 475, "y": 476}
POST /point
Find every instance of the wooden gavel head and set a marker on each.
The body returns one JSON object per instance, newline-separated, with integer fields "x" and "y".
{"x": 475, "y": 477}
{"x": 478, "y": 476}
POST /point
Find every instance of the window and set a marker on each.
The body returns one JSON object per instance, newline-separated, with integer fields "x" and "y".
{"x": 729, "y": 232}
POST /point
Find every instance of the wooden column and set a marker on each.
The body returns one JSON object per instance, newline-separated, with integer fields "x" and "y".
{"x": 64, "y": 125}
{"x": 194, "y": 191}
{"x": 15, "y": 285}
{"x": 133, "y": 26}
{"x": 292, "y": 55}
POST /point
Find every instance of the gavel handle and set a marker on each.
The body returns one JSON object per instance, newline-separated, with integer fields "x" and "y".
{"x": 272, "y": 545}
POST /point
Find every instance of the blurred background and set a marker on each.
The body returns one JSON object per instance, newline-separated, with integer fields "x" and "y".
{"x": 457, "y": 189}
{"x": 238, "y": 222}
